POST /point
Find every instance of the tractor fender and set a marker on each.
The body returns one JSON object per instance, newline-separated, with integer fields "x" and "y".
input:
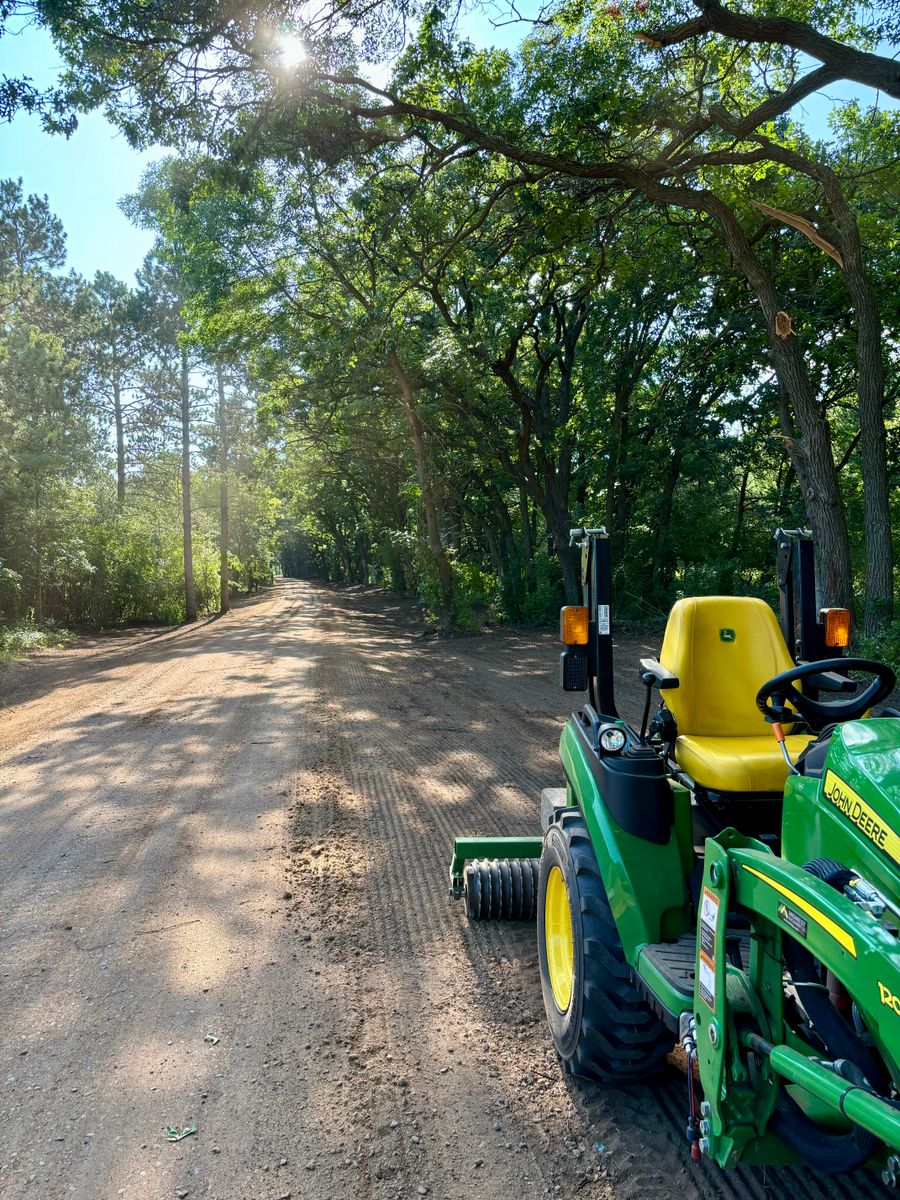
{"x": 644, "y": 878}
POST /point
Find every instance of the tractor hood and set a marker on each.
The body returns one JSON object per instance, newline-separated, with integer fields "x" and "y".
{"x": 862, "y": 781}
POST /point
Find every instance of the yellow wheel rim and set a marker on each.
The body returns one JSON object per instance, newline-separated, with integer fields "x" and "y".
{"x": 558, "y": 939}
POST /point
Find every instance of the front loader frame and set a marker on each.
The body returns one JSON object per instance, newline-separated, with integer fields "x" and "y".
{"x": 739, "y": 1022}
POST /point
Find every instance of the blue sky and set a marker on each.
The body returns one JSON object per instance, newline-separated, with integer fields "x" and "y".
{"x": 84, "y": 176}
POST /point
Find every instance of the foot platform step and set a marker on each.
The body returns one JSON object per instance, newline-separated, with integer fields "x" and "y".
{"x": 675, "y": 960}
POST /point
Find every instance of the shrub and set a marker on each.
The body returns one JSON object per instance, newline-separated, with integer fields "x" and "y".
{"x": 17, "y": 640}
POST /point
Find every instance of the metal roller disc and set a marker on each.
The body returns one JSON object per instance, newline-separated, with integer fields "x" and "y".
{"x": 473, "y": 892}
{"x": 494, "y": 866}
{"x": 515, "y": 879}
{"x": 484, "y": 871}
{"x": 535, "y": 865}
{"x": 528, "y": 891}
{"x": 501, "y": 889}
{"x": 506, "y": 912}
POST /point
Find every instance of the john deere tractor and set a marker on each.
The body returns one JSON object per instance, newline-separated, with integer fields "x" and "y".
{"x": 726, "y": 876}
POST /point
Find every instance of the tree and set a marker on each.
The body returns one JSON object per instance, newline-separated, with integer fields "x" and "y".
{"x": 44, "y": 431}
{"x": 112, "y": 352}
{"x": 162, "y": 283}
{"x": 222, "y": 432}
{"x": 31, "y": 237}
{"x": 348, "y": 237}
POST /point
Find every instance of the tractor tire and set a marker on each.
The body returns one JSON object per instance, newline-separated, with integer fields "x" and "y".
{"x": 601, "y": 1027}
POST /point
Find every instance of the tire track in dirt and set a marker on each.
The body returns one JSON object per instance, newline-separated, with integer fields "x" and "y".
{"x": 421, "y": 998}
{"x": 330, "y": 865}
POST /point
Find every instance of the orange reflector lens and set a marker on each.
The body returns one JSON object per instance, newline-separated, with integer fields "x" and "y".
{"x": 573, "y": 625}
{"x": 837, "y": 626}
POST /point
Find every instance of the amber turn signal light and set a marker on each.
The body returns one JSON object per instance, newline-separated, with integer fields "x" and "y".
{"x": 837, "y": 627}
{"x": 573, "y": 625}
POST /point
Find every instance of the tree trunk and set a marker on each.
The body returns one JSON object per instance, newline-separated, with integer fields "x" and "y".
{"x": 505, "y": 554}
{"x": 38, "y": 557}
{"x": 346, "y": 564}
{"x": 879, "y": 600}
{"x": 813, "y": 462}
{"x": 39, "y": 582}
{"x": 663, "y": 521}
{"x": 190, "y": 595}
{"x": 548, "y": 484}
{"x": 568, "y": 565}
{"x": 879, "y": 603}
{"x": 783, "y": 487}
{"x": 738, "y": 531}
{"x": 224, "y": 589}
{"x": 811, "y": 453}
{"x": 363, "y": 548}
{"x": 559, "y": 523}
{"x": 549, "y": 488}
{"x": 527, "y": 541}
{"x": 120, "y": 444}
{"x": 429, "y": 503}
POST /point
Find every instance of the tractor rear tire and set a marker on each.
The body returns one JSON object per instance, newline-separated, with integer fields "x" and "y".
{"x": 601, "y": 1026}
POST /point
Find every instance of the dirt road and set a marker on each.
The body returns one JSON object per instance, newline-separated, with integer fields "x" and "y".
{"x": 241, "y": 832}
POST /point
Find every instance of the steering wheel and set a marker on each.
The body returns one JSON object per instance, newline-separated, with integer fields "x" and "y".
{"x": 780, "y": 689}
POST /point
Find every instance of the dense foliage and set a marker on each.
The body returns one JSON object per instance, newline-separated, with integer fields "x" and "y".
{"x": 615, "y": 275}
{"x": 90, "y": 485}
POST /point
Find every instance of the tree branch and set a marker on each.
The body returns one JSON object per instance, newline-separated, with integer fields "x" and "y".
{"x": 873, "y": 70}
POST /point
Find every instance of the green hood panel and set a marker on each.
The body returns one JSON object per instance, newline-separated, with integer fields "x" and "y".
{"x": 876, "y": 739}
{"x": 861, "y": 788}
{"x": 851, "y": 814}
{"x": 866, "y": 756}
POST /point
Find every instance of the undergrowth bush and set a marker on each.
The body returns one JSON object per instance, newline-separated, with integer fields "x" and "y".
{"x": 17, "y": 640}
{"x": 885, "y": 647}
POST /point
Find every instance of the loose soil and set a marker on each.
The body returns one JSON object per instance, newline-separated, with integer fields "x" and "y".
{"x": 223, "y": 888}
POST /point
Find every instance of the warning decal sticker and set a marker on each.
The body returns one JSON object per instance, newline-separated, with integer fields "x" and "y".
{"x": 706, "y": 974}
{"x": 603, "y": 625}
{"x": 707, "y": 982}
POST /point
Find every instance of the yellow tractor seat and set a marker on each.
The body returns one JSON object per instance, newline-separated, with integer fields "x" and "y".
{"x": 723, "y": 648}
{"x": 738, "y": 764}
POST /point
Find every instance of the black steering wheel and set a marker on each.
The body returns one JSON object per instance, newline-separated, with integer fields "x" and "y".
{"x": 780, "y": 689}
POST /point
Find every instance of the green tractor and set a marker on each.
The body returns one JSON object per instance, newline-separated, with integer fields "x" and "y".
{"x": 703, "y": 882}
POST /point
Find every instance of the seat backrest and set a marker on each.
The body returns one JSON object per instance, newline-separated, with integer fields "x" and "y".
{"x": 722, "y": 648}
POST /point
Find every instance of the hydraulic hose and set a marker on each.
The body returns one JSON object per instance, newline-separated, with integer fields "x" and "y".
{"x": 840, "y": 1039}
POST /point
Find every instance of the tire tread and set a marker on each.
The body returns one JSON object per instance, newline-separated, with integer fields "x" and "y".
{"x": 621, "y": 1039}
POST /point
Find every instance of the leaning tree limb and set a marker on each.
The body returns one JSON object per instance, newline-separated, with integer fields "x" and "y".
{"x": 873, "y": 70}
